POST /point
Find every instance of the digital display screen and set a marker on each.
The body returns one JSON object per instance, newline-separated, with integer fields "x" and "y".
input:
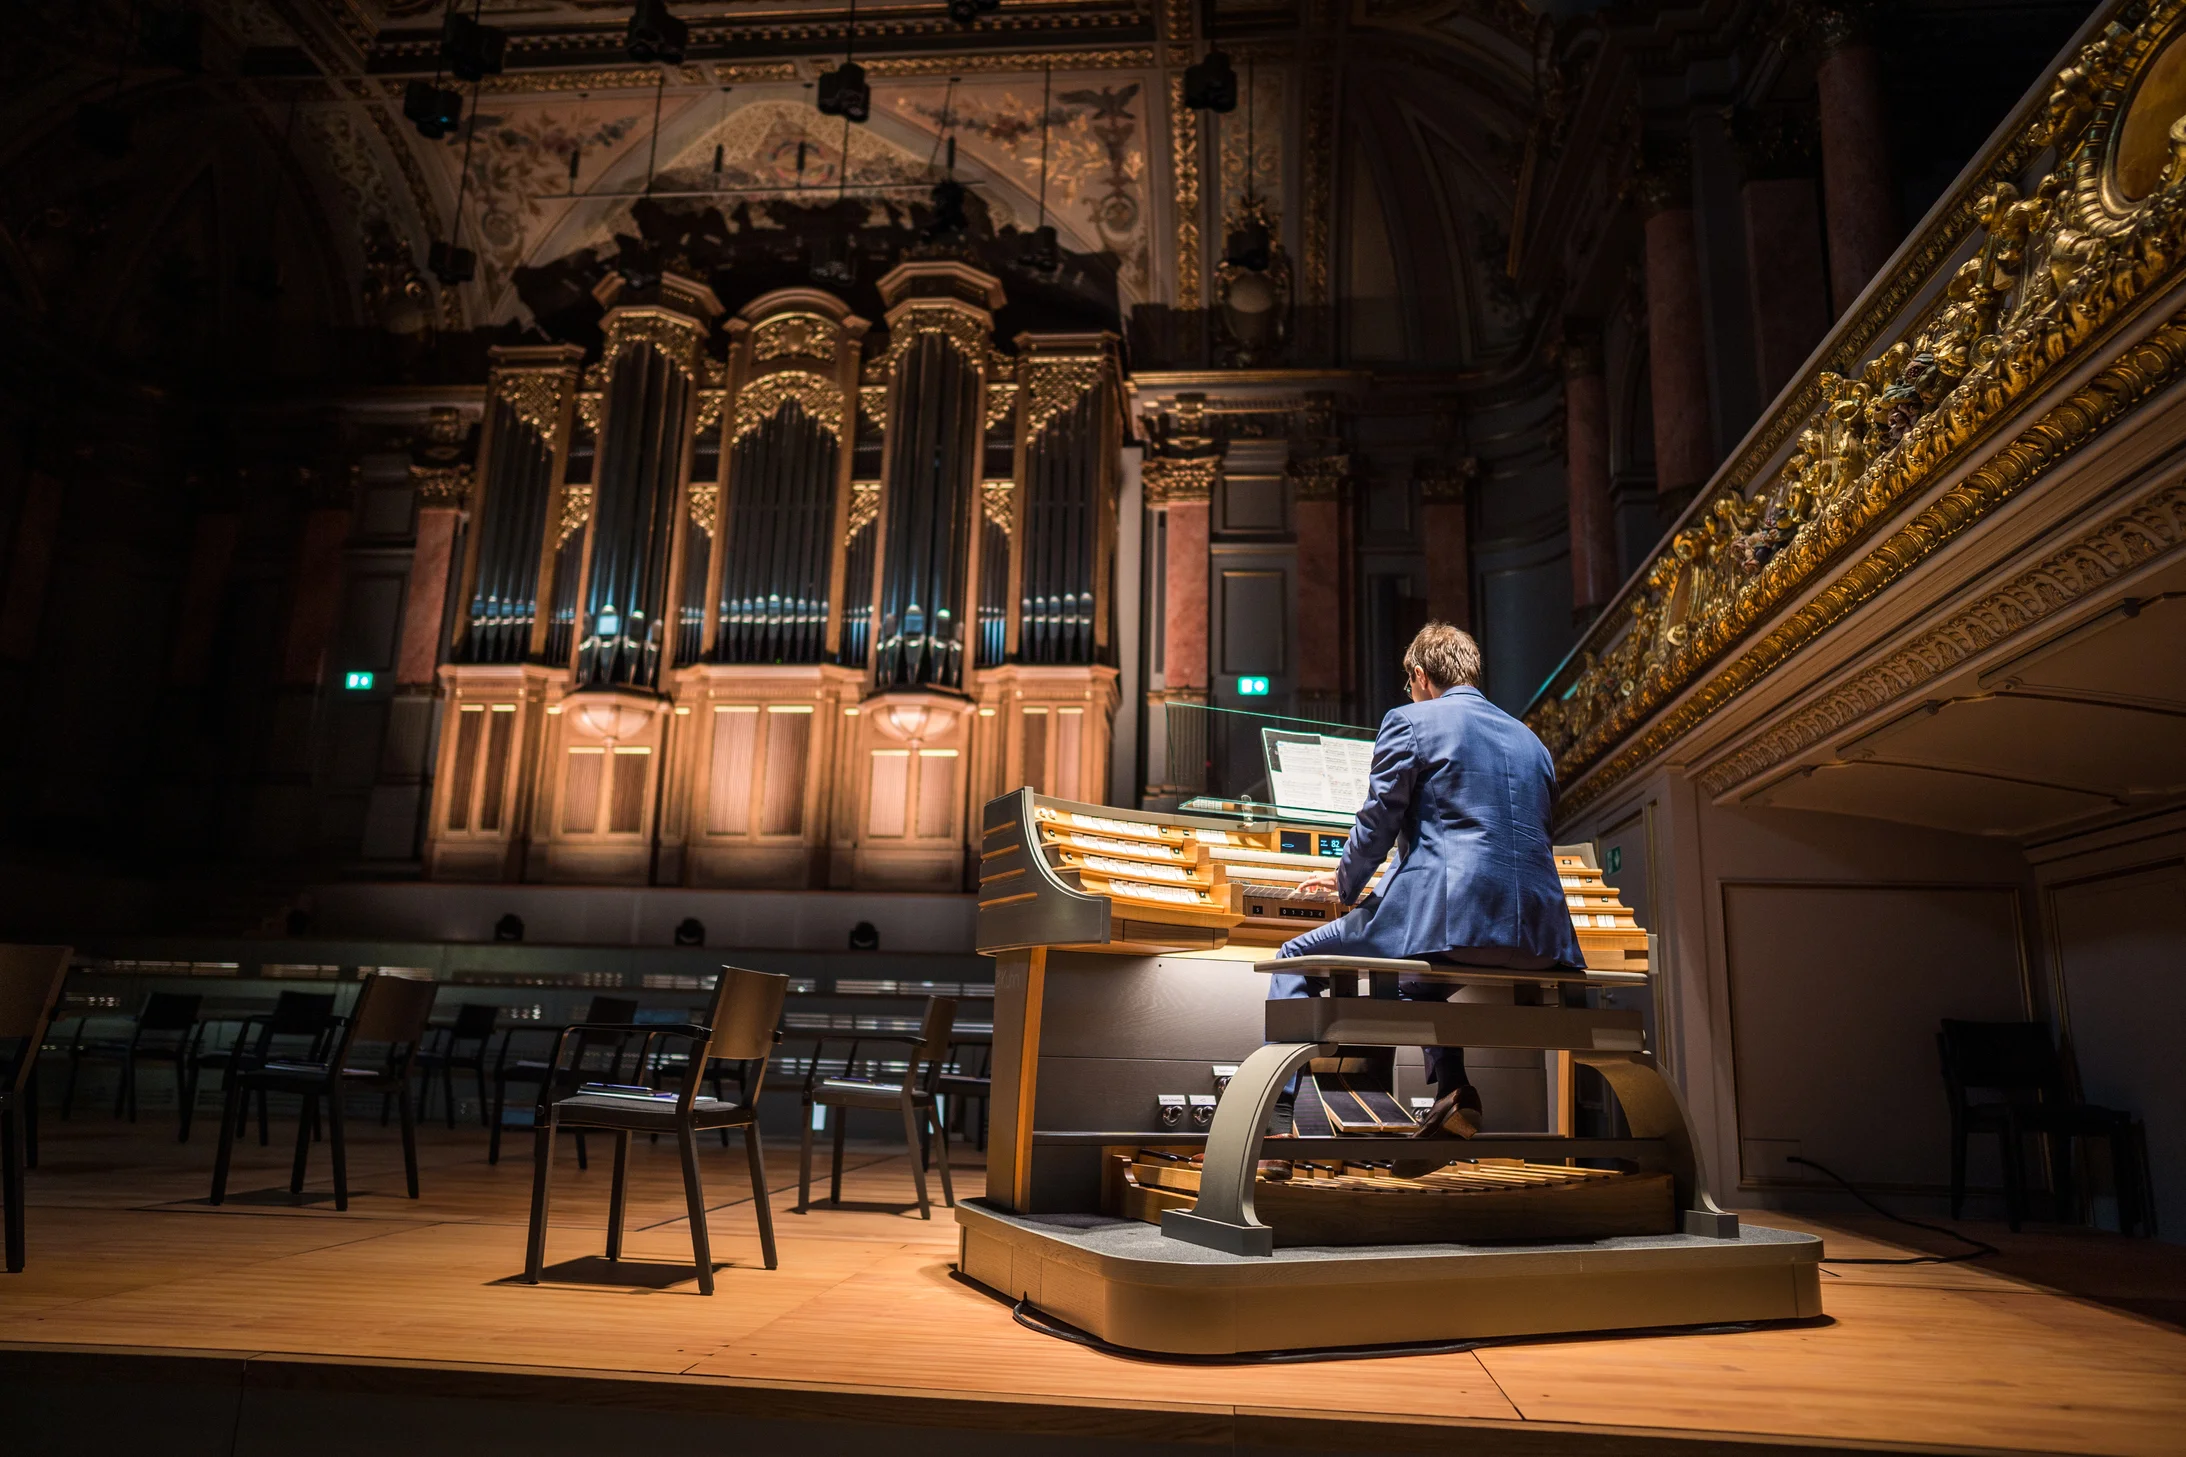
{"x": 1296, "y": 842}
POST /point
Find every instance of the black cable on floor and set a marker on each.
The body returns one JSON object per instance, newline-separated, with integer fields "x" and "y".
{"x": 1979, "y": 1247}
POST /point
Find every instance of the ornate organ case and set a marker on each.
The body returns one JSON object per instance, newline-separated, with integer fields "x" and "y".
{"x": 774, "y": 601}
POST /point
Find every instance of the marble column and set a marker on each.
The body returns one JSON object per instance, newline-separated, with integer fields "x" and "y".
{"x": 1859, "y": 194}
{"x": 315, "y": 598}
{"x": 425, "y": 603}
{"x": 1323, "y": 584}
{"x": 1446, "y": 545}
{"x": 1787, "y": 274}
{"x": 1586, "y": 472}
{"x": 1184, "y": 488}
{"x": 1677, "y": 361}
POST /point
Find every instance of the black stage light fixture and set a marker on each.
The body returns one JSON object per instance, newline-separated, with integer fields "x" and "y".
{"x": 690, "y": 931}
{"x": 948, "y": 204}
{"x": 104, "y": 127}
{"x": 1250, "y": 247}
{"x": 967, "y": 12}
{"x": 655, "y": 34}
{"x": 1211, "y": 85}
{"x": 511, "y": 926}
{"x": 1042, "y": 253}
{"x": 471, "y": 50}
{"x": 433, "y": 111}
{"x": 843, "y": 93}
{"x": 864, "y": 937}
{"x": 450, "y": 264}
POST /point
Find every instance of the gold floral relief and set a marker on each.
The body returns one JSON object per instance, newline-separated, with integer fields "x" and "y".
{"x": 1056, "y": 383}
{"x": 704, "y": 505}
{"x": 679, "y": 337}
{"x": 576, "y": 511}
{"x": 800, "y": 335}
{"x": 758, "y": 401}
{"x": 2052, "y": 268}
{"x": 864, "y": 507}
{"x": 998, "y": 501}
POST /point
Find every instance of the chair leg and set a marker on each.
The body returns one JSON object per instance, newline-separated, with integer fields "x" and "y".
{"x": 1958, "y": 1167}
{"x": 841, "y": 1120}
{"x": 804, "y": 1163}
{"x": 30, "y": 1119}
{"x": 718, "y": 1098}
{"x": 2015, "y": 1183}
{"x": 186, "y": 1095}
{"x": 756, "y": 1157}
{"x": 237, "y": 1098}
{"x": 304, "y": 1110}
{"x": 694, "y": 1197}
{"x": 500, "y": 1105}
{"x": 447, "y": 1091}
{"x": 615, "y": 1195}
{"x": 584, "y": 1160}
{"x": 941, "y": 1155}
{"x": 337, "y": 1149}
{"x": 387, "y": 1107}
{"x": 125, "y": 1090}
{"x": 484, "y": 1119}
{"x": 265, "y": 1121}
{"x": 911, "y": 1119}
{"x": 11, "y": 1179}
{"x": 409, "y": 1136}
{"x": 68, "y": 1089}
{"x": 542, "y": 1168}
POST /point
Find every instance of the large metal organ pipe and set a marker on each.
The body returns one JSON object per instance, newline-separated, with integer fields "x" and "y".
{"x": 774, "y": 589}
{"x": 935, "y": 415}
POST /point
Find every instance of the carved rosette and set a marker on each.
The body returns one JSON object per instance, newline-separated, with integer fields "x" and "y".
{"x": 1170, "y": 480}
{"x": 758, "y": 401}
{"x": 794, "y": 336}
{"x": 2051, "y": 270}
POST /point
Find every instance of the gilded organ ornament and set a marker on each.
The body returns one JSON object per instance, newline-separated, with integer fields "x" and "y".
{"x": 576, "y": 513}
{"x": 798, "y": 335}
{"x": 864, "y": 507}
{"x": 679, "y": 337}
{"x": 758, "y": 401}
{"x": 1054, "y": 384}
{"x": 705, "y": 505}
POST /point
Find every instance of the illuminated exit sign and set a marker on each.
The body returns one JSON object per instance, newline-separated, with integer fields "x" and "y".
{"x": 1252, "y": 688}
{"x": 357, "y": 681}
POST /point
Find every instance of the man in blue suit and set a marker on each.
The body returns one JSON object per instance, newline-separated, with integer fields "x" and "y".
{"x": 1464, "y": 791}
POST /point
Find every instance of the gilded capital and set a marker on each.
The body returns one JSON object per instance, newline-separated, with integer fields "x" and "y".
{"x": 1171, "y": 480}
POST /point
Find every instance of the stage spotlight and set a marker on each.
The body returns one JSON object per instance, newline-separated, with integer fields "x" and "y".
{"x": 104, "y": 127}
{"x": 948, "y": 204}
{"x": 863, "y": 937}
{"x": 1249, "y": 247}
{"x": 967, "y": 12}
{"x": 1211, "y": 85}
{"x": 469, "y": 49}
{"x": 1042, "y": 253}
{"x": 434, "y": 112}
{"x": 690, "y": 931}
{"x": 450, "y": 264}
{"x": 509, "y": 928}
{"x": 655, "y": 34}
{"x": 843, "y": 93}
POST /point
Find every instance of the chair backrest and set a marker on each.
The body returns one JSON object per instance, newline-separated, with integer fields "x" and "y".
{"x": 2009, "y": 1057}
{"x": 933, "y": 1038}
{"x": 474, "y": 1021}
{"x": 300, "y": 1014}
{"x": 747, "y": 1007}
{"x": 30, "y": 990}
{"x": 390, "y": 1009}
{"x": 169, "y": 1012}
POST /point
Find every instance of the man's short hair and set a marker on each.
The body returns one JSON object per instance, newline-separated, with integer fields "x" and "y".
{"x": 1447, "y": 655}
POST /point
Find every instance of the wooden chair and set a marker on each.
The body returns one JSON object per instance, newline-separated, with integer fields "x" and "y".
{"x": 959, "y": 1087}
{"x": 462, "y": 1044}
{"x": 30, "y": 993}
{"x": 913, "y": 1098}
{"x": 391, "y": 1012}
{"x": 738, "y": 1027}
{"x": 605, "y": 1012}
{"x": 306, "y": 1015}
{"x": 171, "y": 1018}
{"x": 2018, "y": 1060}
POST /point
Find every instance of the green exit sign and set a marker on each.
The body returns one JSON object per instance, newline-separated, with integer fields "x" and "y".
{"x": 357, "y": 682}
{"x": 1252, "y": 688}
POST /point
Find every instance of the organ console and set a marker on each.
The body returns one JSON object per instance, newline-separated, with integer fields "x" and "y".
{"x": 1131, "y": 953}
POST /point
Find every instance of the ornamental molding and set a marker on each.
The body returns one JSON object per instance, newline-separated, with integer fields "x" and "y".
{"x": 794, "y": 336}
{"x": 759, "y": 401}
{"x": 1055, "y": 383}
{"x": 2053, "y": 270}
{"x": 536, "y": 397}
{"x": 864, "y": 508}
{"x": 998, "y": 501}
{"x": 588, "y": 411}
{"x": 1001, "y": 403}
{"x": 576, "y": 513}
{"x": 2119, "y": 546}
{"x": 1320, "y": 477}
{"x": 704, "y": 505}
{"x": 680, "y": 338}
{"x": 441, "y": 486}
{"x": 969, "y": 329}
{"x": 1184, "y": 181}
{"x": 873, "y": 404}
{"x": 1174, "y": 480}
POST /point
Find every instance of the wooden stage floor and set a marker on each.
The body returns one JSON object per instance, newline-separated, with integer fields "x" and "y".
{"x": 244, "y": 1326}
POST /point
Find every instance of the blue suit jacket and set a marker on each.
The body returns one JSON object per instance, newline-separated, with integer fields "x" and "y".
{"x": 1466, "y": 789}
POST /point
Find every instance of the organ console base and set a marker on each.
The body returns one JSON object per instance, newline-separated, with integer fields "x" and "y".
{"x": 1119, "y": 1279}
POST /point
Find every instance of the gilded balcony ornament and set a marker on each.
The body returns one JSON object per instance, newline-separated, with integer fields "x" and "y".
{"x": 2052, "y": 269}
{"x": 758, "y": 401}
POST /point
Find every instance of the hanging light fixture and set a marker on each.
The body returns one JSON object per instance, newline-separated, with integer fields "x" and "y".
{"x": 1211, "y": 83}
{"x": 655, "y": 33}
{"x": 842, "y": 91}
{"x": 1043, "y": 254}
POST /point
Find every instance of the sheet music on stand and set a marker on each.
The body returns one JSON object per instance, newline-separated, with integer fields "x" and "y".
{"x": 1323, "y": 775}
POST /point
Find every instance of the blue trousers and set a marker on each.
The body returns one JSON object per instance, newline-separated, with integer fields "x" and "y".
{"x": 1445, "y": 1065}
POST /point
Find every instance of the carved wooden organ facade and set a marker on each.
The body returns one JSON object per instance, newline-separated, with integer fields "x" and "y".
{"x": 779, "y": 613}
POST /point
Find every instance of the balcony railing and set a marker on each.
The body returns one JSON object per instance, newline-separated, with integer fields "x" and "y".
{"x": 1923, "y": 411}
